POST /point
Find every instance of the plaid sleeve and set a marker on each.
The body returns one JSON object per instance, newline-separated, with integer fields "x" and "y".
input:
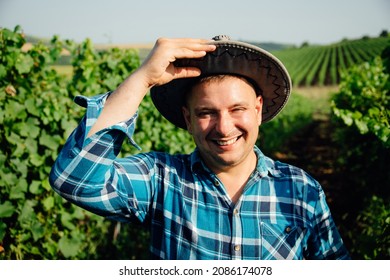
{"x": 88, "y": 173}
{"x": 327, "y": 242}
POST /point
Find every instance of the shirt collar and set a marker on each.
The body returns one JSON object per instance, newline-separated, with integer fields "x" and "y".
{"x": 267, "y": 166}
{"x": 196, "y": 162}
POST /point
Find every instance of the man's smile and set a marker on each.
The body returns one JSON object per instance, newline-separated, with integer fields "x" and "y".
{"x": 226, "y": 142}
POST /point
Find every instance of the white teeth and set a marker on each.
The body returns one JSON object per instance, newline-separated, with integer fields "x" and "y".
{"x": 228, "y": 142}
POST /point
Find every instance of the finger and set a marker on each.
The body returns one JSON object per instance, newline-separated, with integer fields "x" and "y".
{"x": 185, "y": 41}
{"x": 186, "y": 53}
{"x": 186, "y": 72}
{"x": 193, "y": 51}
{"x": 199, "y": 45}
{"x": 178, "y": 46}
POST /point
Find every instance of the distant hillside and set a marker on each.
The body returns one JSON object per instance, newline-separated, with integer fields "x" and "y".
{"x": 35, "y": 39}
{"x": 270, "y": 47}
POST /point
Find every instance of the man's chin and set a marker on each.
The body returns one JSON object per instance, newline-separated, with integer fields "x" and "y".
{"x": 222, "y": 162}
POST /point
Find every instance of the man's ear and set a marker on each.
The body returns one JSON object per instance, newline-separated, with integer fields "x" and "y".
{"x": 187, "y": 118}
{"x": 259, "y": 109}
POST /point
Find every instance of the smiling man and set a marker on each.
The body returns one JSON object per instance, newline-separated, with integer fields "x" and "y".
{"x": 226, "y": 200}
{"x": 225, "y": 130}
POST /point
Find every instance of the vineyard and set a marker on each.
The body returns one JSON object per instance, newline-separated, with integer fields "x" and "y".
{"x": 322, "y": 65}
{"x": 37, "y": 114}
{"x": 308, "y": 65}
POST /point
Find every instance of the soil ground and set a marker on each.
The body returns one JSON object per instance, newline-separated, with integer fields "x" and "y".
{"x": 314, "y": 150}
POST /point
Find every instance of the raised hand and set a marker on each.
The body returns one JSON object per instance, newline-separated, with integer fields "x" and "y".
{"x": 158, "y": 67}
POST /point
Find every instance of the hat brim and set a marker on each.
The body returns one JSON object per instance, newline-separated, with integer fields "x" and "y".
{"x": 235, "y": 58}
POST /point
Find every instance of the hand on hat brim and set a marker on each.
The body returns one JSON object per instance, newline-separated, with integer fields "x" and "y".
{"x": 159, "y": 69}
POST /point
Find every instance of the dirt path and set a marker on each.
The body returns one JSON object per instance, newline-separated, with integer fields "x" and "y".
{"x": 313, "y": 150}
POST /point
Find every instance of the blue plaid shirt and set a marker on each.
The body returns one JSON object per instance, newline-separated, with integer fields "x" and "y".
{"x": 281, "y": 214}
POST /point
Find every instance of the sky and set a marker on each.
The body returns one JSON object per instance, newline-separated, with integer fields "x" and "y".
{"x": 143, "y": 21}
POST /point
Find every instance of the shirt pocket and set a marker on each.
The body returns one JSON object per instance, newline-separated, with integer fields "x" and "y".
{"x": 282, "y": 241}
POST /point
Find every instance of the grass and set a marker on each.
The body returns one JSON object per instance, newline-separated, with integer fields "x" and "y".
{"x": 320, "y": 99}
{"x": 304, "y": 106}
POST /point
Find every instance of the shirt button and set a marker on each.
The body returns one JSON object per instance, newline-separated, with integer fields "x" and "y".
{"x": 216, "y": 183}
{"x": 237, "y": 248}
{"x": 287, "y": 229}
{"x": 235, "y": 211}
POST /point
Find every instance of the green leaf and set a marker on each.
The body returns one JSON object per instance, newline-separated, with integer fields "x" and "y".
{"x": 112, "y": 82}
{"x": 51, "y": 142}
{"x": 24, "y": 63}
{"x": 13, "y": 138}
{"x": 66, "y": 220}
{"x": 3, "y": 158}
{"x": 31, "y": 107}
{"x": 48, "y": 203}
{"x": 14, "y": 110}
{"x": 36, "y": 160}
{"x": 35, "y": 250}
{"x": 68, "y": 126}
{"x": 24, "y": 237}
{"x": 33, "y": 130}
{"x": 51, "y": 248}
{"x": 6, "y": 209}
{"x": 79, "y": 213}
{"x": 13, "y": 36}
{"x": 3, "y": 71}
{"x": 361, "y": 125}
{"x": 9, "y": 179}
{"x": 31, "y": 145}
{"x": 37, "y": 230}
{"x": 69, "y": 247}
{"x": 18, "y": 191}
{"x": 3, "y": 228}
{"x": 21, "y": 166}
{"x": 347, "y": 118}
{"x": 2, "y": 116}
{"x": 19, "y": 150}
{"x": 35, "y": 187}
{"x": 46, "y": 184}
{"x": 27, "y": 215}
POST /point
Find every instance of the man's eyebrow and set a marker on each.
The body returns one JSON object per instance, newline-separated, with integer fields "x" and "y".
{"x": 242, "y": 103}
{"x": 204, "y": 108}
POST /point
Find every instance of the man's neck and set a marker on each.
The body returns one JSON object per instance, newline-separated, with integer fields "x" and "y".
{"x": 234, "y": 178}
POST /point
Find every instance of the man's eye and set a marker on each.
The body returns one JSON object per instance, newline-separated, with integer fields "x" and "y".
{"x": 204, "y": 114}
{"x": 239, "y": 109}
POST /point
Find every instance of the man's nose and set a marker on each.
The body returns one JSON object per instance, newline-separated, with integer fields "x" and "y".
{"x": 224, "y": 124}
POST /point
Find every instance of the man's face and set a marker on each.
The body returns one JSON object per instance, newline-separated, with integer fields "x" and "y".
{"x": 224, "y": 117}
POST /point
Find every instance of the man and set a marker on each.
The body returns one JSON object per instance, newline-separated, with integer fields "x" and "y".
{"x": 226, "y": 200}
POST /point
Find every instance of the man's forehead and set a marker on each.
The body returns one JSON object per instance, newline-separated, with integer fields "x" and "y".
{"x": 216, "y": 93}
{"x": 221, "y": 78}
